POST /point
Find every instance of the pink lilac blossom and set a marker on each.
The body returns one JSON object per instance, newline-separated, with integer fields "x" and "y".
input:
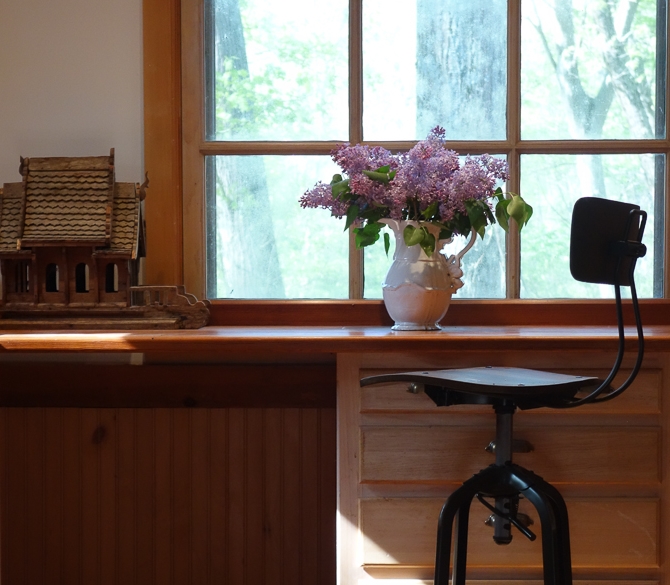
{"x": 321, "y": 196}
{"x": 428, "y": 174}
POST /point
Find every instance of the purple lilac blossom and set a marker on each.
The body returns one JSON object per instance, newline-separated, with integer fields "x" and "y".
{"x": 426, "y": 174}
{"x": 321, "y": 196}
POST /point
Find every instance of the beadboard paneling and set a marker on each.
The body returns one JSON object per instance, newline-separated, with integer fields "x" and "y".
{"x": 168, "y": 496}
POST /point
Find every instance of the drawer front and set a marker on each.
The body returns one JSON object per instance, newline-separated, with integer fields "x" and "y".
{"x": 615, "y": 533}
{"x": 643, "y": 397}
{"x": 561, "y": 453}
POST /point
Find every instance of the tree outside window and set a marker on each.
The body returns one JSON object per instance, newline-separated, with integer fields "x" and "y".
{"x": 571, "y": 92}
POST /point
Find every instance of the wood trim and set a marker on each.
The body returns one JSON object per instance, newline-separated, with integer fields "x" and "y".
{"x": 175, "y": 208}
{"x": 192, "y": 141}
{"x": 509, "y": 312}
{"x": 348, "y": 471}
{"x": 654, "y": 146}
{"x": 168, "y": 386}
{"x": 162, "y": 140}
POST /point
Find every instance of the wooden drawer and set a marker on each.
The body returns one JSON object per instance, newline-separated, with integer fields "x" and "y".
{"x": 562, "y": 454}
{"x": 616, "y": 533}
{"x": 643, "y": 397}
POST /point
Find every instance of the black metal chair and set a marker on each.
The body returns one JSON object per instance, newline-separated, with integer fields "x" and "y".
{"x": 606, "y": 241}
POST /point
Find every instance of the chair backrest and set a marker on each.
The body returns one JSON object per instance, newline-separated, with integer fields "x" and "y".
{"x": 605, "y": 243}
{"x": 605, "y": 240}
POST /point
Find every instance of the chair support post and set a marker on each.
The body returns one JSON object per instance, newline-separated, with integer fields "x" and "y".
{"x": 502, "y": 529}
{"x": 504, "y": 433}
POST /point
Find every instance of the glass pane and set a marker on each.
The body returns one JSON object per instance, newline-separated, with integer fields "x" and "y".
{"x": 483, "y": 266}
{"x": 589, "y": 70}
{"x": 434, "y": 62}
{"x": 262, "y": 244}
{"x": 278, "y": 70}
{"x": 375, "y": 266}
{"x": 551, "y": 184}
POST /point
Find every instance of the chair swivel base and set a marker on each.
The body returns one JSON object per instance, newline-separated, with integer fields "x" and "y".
{"x": 505, "y": 481}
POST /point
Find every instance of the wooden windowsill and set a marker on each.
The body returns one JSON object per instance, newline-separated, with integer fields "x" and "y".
{"x": 462, "y": 312}
{"x": 282, "y": 343}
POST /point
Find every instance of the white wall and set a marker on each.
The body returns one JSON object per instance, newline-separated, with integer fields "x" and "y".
{"x": 71, "y": 82}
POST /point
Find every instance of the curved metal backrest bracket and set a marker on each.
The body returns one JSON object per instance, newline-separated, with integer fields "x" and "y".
{"x": 610, "y": 233}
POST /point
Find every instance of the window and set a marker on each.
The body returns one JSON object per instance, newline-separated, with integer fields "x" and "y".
{"x": 573, "y": 94}
{"x": 51, "y": 278}
{"x": 22, "y": 277}
{"x": 81, "y": 276}
{"x": 111, "y": 278}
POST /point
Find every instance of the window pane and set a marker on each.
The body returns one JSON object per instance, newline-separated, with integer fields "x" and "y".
{"x": 434, "y": 62}
{"x": 483, "y": 266}
{"x": 278, "y": 70}
{"x": 589, "y": 70}
{"x": 261, "y": 243}
{"x": 552, "y": 184}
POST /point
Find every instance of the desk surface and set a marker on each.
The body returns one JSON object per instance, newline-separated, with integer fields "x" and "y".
{"x": 326, "y": 340}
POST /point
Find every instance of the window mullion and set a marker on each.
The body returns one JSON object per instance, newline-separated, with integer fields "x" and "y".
{"x": 356, "y": 268}
{"x": 355, "y": 71}
{"x": 662, "y": 207}
{"x": 513, "y": 258}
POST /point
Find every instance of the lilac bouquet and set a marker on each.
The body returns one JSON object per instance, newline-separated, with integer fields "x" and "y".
{"x": 428, "y": 184}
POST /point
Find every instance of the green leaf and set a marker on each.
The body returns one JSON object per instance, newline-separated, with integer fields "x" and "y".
{"x": 445, "y": 233}
{"x": 489, "y": 214}
{"x": 428, "y": 243}
{"x": 352, "y": 216}
{"x": 477, "y": 217}
{"x": 374, "y": 214}
{"x": 340, "y": 188}
{"x": 377, "y": 176}
{"x": 461, "y": 223}
{"x": 529, "y": 213}
{"x": 519, "y": 210}
{"x": 502, "y": 215}
{"x": 367, "y": 235}
{"x": 430, "y": 211}
{"x": 413, "y": 235}
{"x": 387, "y": 243}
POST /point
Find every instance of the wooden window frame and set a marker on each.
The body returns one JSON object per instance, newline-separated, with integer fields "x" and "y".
{"x": 174, "y": 150}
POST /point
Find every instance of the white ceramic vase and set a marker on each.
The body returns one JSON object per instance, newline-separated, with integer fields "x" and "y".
{"x": 417, "y": 290}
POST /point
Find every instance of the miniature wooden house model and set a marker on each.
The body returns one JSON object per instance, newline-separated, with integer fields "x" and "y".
{"x": 70, "y": 234}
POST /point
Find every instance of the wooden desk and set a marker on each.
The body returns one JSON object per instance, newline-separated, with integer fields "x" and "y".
{"x": 214, "y": 461}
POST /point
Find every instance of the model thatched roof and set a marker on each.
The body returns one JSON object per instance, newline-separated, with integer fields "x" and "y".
{"x": 70, "y": 202}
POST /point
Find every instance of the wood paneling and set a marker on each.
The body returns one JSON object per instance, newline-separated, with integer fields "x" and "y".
{"x": 605, "y": 533}
{"x": 169, "y": 386}
{"x": 165, "y": 496}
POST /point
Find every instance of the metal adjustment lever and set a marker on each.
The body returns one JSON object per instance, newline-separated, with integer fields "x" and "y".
{"x": 523, "y": 519}
{"x": 518, "y": 446}
{"x": 520, "y": 520}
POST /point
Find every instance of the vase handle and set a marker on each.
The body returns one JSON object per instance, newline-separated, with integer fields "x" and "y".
{"x": 471, "y": 242}
{"x": 454, "y": 262}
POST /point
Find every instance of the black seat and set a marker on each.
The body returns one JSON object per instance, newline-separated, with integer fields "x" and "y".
{"x": 605, "y": 243}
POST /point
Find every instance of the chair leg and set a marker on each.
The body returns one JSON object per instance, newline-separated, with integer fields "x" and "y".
{"x": 505, "y": 480}
{"x": 456, "y": 511}
{"x": 555, "y": 532}
{"x": 461, "y": 544}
